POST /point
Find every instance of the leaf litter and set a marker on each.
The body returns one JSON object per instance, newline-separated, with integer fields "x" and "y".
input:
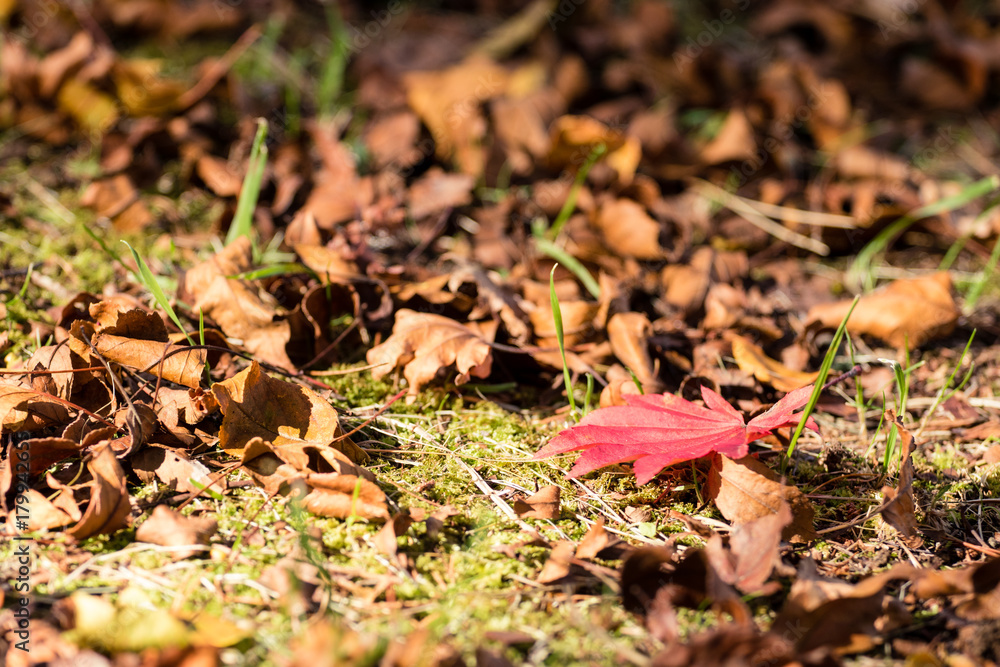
{"x": 243, "y": 470}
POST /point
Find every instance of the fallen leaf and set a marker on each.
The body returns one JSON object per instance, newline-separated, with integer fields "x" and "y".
{"x": 424, "y": 343}
{"x": 170, "y": 528}
{"x": 172, "y": 362}
{"x": 735, "y": 141}
{"x": 660, "y": 430}
{"x": 117, "y": 198}
{"x": 559, "y": 564}
{"x": 386, "y": 540}
{"x": 628, "y": 230}
{"x": 629, "y": 335}
{"x": 24, "y": 409}
{"x": 746, "y": 490}
{"x": 905, "y": 313}
{"x": 254, "y": 404}
{"x": 751, "y": 358}
{"x": 342, "y": 496}
{"x": 543, "y": 504}
{"x": 573, "y": 139}
{"x": 240, "y": 311}
{"x": 653, "y": 584}
{"x": 899, "y": 510}
{"x": 174, "y": 469}
{"x": 109, "y": 508}
{"x": 753, "y": 551}
{"x": 599, "y": 541}
{"x": 437, "y": 191}
{"x": 38, "y": 513}
{"x": 449, "y": 103}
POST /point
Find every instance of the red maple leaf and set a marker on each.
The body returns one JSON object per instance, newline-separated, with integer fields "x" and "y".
{"x": 660, "y": 430}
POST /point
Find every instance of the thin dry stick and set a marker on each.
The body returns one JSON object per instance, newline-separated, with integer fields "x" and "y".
{"x": 798, "y": 215}
{"x": 757, "y": 218}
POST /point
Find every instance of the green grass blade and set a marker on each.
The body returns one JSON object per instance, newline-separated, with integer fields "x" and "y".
{"x": 249, "y": 193}
{"x": 570, "y": 204}
{"x": 860, "y": 272}
{"x": 824, "y": 371}
{"x": 574, "y": 266}
{"x": 985, "y": 276}
{"x": 557, "y": 318}
{"x": 149, "y": 281}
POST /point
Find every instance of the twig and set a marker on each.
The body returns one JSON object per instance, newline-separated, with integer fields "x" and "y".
{"x": 752, "y": 215}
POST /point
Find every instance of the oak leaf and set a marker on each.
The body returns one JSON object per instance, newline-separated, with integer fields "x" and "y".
{"x": 660, "y": 430}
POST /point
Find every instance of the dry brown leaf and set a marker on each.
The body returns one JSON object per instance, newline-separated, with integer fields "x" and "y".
{"x": 521, "y": 129}
{"x": 573, "y": 139}
{"x": 577, "y": 318}
{"x": 391, "y": 139}
{"x": 48, "y": 451}
{"x": 735, "y": 141}
{"x": 53, "y": 358}
{"x": 341, "y": 496}
{"x": 143, "y": 91}
{"x": 543, "y": 504}
{"x": 628, "y": 229}
{"x": 109, "y": 508}
{"x": 424, "y": 343}
{"x": 285, "y": 414}
{"x": 39, "y": 514}
{"x": 629, "y": 333}
{"x": 559, "y": 563}
{"x": 240, "y": 310}
{"x": 329, "y": 263}
{"x": 118, "y": 199}
{"x": 753, "y": 551}
{"x": 437, "y": 191}
{"x": 746, "y": 490}
{"x": 170, "y": 528}
{"x": 172, "y": 362}
{"x": 449, "y": 101}
{"x": 598, "y": 541}
{"x": 386, "y": 540}
{"x": 751, "y": 359}
{"x": 900, "y": 509}
{"x": 24, "y": 409}
{"x": 219, "y": 176}
{"x": 174, "y": 469}
{"x": 905, "y": 312}
{"x": 865, "y": 162}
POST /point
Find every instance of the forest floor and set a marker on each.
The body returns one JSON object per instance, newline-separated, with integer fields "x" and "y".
{"x": 292, "y": 292}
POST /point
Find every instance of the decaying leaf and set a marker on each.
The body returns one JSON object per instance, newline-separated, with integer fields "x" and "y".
{"x": 746, "y": 490}
{"x": 899, "y": 510}
{"x": 169, "y": 528}
{"x": 573, "y": 138}
{"x": 906, "y": 312}
{"x": 240, "y": 310}
{"x": 660, "y": 430}
{"x": 290, "y": 416}
{"x": 109, "y": 508}
{"x": 341, "y": 496}
{"x": 751, "y": 358}
{"x": 543, "y": 504}
{"x": 628, "y": 229}
{"x": 753, "y": 551}
{"x": 424, "y": 343}
{"x": 24, "y": 409}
